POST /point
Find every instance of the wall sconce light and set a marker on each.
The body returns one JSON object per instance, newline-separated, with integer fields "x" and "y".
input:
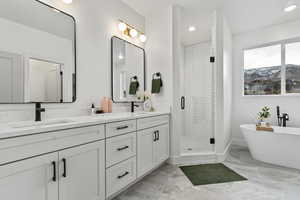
{"x": 131, "y": 31}
{"x": 143, "y": 38}
{"x": 67, "y": 1}
{"x": 122, "y": 26}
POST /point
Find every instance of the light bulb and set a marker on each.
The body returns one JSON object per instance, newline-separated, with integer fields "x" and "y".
{"x": 121, "y": 57}
{"x": 122, "y": 26}
{"x": 143, "y": 38}
{"x": 290, "y": 8}
{"x": 67, "y": 1}
{"x": 133, "y": 33}
{"x": 192, "y": 28}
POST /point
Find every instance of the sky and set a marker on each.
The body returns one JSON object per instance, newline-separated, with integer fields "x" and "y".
{"x": 271, "y": 56}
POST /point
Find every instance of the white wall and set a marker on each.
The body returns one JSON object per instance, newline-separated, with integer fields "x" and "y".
{"x": 245, "y": 109}
{"x": 159, "y": 58}
{"x": 177, "y": 114}
{"x": 228, "y": 69}
{"x": 222, "y": 44}
{"x": 159, "y": 55}
{"x": 96, "y": 24}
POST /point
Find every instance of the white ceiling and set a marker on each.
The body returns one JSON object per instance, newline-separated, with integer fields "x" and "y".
{"x": 242, "y": 15}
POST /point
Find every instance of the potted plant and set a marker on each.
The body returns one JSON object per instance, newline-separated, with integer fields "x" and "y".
{"x": 146, "y": 96}
{"x": 264, "y": 115}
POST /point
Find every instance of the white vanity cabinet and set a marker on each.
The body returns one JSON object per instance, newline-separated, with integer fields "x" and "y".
{"x": 120, "y": 156}
{"x": 74, "y": 171}
{"x": 82, "y": 172}
{"x": 161, "y": 145}
{"x": 72, "y": 174}
{"x": 152, "y": 148}
{"x": 92, "y": 162}
{"x": 31, "y": 179}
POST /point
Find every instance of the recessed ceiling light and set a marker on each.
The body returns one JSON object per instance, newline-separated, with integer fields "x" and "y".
{"x": 192, "y": 28}
{"x": 67, "y": 1}
{"x": 290, "y": 8}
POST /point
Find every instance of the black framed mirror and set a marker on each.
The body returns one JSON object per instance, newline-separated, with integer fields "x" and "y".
{"x": 37, "y": 53}
{"x": 128, "y": 71}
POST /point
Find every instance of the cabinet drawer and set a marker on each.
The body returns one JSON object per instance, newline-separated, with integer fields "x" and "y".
{"x": 120, "y": 176}
{"x": 18, "y": 148}
{"x": 120, "y": 148}
{"x": 152, "y": 121}
{"x": 119, "y": 128}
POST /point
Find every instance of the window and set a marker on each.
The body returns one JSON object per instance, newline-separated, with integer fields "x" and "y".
{"x": 292, "y": 52}
{"x": 272, "y": 70}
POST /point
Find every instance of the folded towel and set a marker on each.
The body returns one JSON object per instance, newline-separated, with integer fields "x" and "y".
{"x": 156, "y": 85}
{"x": 133, "y": 88}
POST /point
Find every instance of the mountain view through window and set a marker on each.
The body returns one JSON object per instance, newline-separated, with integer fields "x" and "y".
{"x": 272, "y": 70}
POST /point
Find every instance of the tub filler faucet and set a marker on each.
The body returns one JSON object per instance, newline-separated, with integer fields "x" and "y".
{"x": 282, "y": 118}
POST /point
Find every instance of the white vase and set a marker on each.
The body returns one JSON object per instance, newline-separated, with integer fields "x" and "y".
{"x": 147, "y": 105}
{"x": 263, "y": 124}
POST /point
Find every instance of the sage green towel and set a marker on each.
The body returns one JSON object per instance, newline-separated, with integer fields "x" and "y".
{"x": 133, "y": 88}
{"x": 156, "y": 85}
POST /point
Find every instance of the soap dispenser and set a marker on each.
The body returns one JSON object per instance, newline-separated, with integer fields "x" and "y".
{"x": 93, "y": 110}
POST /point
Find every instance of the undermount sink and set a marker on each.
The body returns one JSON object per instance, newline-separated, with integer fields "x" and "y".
{"x": 39, "y": 124}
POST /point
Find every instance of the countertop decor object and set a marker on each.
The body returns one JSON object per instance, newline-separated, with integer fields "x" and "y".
{"x": 264, "y": 128}
{"x": 263, "y": 116}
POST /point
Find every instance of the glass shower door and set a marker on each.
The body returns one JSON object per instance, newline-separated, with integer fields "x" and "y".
{"x": 198, "y": 113}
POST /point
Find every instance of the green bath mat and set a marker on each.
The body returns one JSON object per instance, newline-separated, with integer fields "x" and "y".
{"x": 210, "y": 174}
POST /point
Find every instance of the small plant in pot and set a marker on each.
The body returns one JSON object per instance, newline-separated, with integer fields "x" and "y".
{"x": 263, "y": 116}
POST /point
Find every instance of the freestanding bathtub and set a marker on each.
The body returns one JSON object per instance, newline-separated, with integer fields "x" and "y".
{"x": 281, "y": 147}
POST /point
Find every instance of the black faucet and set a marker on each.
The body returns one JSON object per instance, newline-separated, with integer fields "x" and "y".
{"x": 282, "y": 118}
{"x": 132, "y": 106}
{"x": 38, "y": 112}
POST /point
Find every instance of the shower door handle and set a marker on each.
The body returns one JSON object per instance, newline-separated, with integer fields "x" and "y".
{"x": 182, "y": 103}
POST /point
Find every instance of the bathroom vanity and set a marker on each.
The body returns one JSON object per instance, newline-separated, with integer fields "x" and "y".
{"x": 79, "y": 158}
{"x": 92, "y": 157}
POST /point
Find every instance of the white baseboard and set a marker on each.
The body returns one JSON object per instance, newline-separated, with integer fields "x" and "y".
{"x": 201, "y": 158}
{"x": 222, "y": 156}
{"x": 194, "y": 159}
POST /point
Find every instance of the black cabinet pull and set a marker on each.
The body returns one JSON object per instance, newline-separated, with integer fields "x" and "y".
{"x": 54, "y": 171}
{"x": 122, "y": 127}
{"x": 158, "y": 136}
{"x": 65, "y": 167}
{"x": 123, "y": 148}
{"x": 123, "y": 175}
{"x": 182, "y": 103}
{"x": 155, "y": 136}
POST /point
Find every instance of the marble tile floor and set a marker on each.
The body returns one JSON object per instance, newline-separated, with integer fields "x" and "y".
{"x": 265, "y": 182}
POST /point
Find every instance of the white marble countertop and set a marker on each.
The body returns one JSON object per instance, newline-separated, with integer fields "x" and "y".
{"x": 18, "y": 129}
